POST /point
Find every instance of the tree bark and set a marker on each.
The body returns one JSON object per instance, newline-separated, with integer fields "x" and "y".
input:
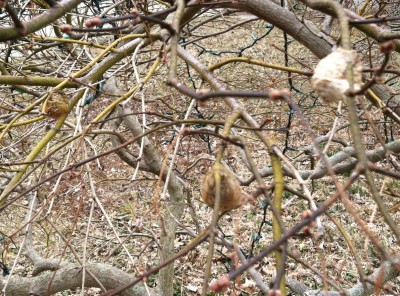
{"x": 69, "y": 277}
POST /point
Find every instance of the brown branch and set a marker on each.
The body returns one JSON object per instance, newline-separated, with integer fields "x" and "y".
{"x": 39, "y": 22}
{"x": 17, "y": 22}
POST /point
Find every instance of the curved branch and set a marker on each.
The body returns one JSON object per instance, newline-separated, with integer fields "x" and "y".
{"x": 342, "y": 162}
{"x": 39, "y": 22}
{"x": 70, "y": 277}
{"x": 124, "y": 153}
{"x": 380, "y": 276}
{"x": 317, "y": 42}
{"x": 305, "y": 33}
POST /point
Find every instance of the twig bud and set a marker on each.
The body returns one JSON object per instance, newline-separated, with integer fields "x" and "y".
{"x": 92, "y": 22}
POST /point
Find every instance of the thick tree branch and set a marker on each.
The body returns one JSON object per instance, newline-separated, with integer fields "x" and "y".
{"x": 342, "y": 162}
{"x": 69, "y": 277}
{"x": 380, "y": 276}
{"x": 317, "y": 42}
{"x": 39, "y": 22}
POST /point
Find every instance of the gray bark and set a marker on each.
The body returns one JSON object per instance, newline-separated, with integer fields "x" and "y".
{"x": 69, "y": 277}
